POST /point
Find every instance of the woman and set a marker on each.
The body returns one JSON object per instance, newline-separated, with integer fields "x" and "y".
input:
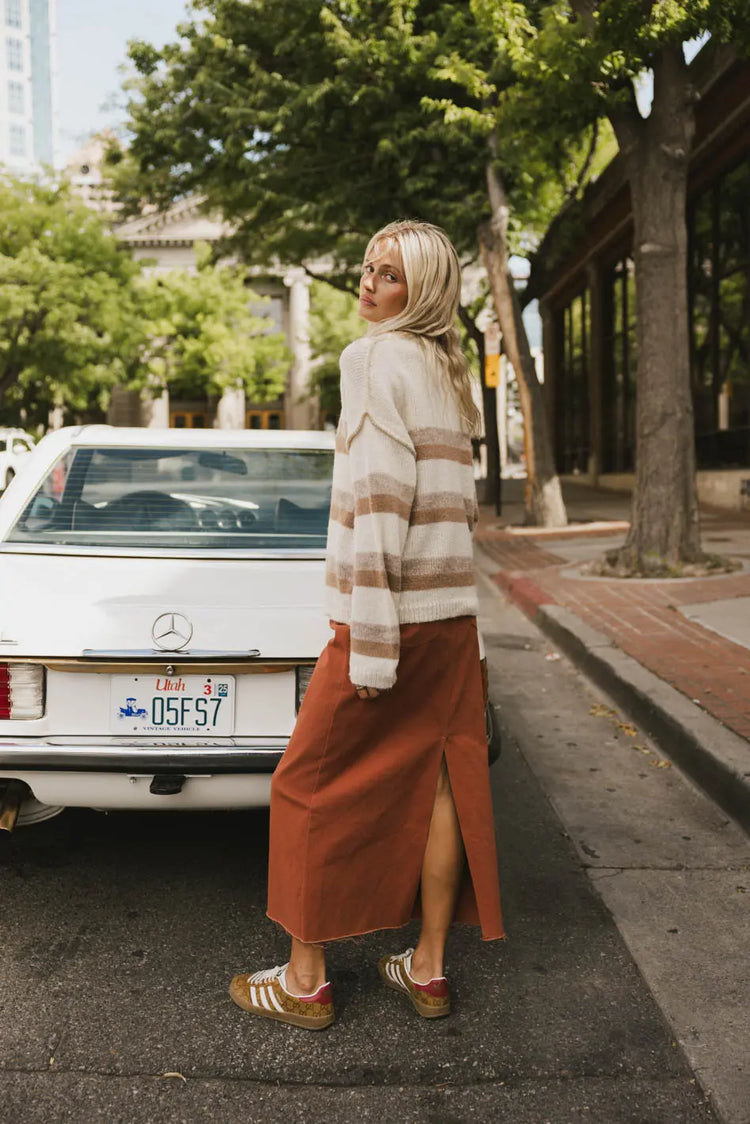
{"x": 382, "y": 801}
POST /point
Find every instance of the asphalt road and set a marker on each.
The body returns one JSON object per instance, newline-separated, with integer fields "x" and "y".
{"x": 119, "y": 933}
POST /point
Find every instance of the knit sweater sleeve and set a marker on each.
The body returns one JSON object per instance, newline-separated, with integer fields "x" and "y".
{"x": 382, "y": 462}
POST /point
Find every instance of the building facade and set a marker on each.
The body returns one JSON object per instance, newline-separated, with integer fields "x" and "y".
{"x": 584, "y": 278}
{"x": 27, "y": 85}
{"x": 167, "y": 241}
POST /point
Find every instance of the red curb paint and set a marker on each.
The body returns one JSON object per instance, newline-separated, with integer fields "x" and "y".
{"x": 523, "y": 592}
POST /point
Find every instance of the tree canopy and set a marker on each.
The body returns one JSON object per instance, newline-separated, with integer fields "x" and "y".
{"x": 205, "y": 332}
{"x": 78, "y": 316}
{"x": 69, "y": 323}
{"x": 311, "y": 123}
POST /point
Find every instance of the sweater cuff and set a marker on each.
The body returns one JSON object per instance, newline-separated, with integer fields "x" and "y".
{"x": 372, "y": 671}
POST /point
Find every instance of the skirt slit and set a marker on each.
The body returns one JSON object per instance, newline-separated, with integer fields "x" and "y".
{"x": 352, "y": 799}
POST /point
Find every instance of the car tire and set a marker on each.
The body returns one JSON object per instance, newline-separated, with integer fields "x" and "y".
{"x": 492, "y": 728}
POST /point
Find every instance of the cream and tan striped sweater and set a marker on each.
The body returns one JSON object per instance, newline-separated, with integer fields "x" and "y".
{"x": 403, "y": 506}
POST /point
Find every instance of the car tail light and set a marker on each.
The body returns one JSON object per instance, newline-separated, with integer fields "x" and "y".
{"x": 304, "y": 675}
{"x": 21, "y": 690}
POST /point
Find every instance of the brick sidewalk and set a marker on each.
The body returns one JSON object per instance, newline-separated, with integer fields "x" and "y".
{"x": 641, "y": 617}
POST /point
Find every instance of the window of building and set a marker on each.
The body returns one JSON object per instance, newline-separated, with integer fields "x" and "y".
{"x": 14, "y": 49}
{"x": 188, "y": 419}
{"x": 619, "y": 368}
{"x": 15, "y": 97}
{"x": 13, "y": 13}
{"x": 264, "y": 419}
{"x": 17, "y": 140}
{"x": 719, "y": 276}
{"x": 572, "y": 429}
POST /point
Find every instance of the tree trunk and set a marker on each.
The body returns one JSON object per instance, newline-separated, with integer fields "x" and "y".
{"x": 10, "y": 375}
{"x": 543, "y": 496}
{"x": 664, "y": 529}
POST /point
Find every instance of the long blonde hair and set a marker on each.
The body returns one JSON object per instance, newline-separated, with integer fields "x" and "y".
{"x": 433, "y": 282}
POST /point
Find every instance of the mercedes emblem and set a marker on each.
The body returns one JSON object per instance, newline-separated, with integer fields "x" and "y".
{"x": 171, "y": 632}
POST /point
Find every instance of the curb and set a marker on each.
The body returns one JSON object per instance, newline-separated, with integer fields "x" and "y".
{"x": 712, "y": 755}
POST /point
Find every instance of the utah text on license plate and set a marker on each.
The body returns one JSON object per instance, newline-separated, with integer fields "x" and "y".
{"x": 182, "y": 704}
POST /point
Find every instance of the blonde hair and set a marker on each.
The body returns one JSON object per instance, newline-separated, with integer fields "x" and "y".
{"x": 433, "y": 282}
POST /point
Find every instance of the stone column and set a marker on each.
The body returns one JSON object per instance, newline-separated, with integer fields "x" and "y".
{"x": 155, "y": 408}
{"x": 301, "y": 411}
{"x": 230, "y": 409}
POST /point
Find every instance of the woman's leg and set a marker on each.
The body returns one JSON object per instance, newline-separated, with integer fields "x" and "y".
{"x": 442, "y": 868}
{"x": 307, "y": 968}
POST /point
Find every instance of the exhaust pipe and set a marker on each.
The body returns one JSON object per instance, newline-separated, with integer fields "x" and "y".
{"x": 10, "y": 803}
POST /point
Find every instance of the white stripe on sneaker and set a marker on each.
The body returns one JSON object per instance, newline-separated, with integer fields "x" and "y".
{"x": 275, "y": 1002}
{"x": 253, "y": 997}
{"x": 263, "y": 993}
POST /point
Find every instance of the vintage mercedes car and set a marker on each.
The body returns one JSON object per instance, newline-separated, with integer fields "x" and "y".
{"x": 161, "y": 612}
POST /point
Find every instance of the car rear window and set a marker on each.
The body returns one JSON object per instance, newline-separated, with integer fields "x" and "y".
{"x": 190, "y": 499}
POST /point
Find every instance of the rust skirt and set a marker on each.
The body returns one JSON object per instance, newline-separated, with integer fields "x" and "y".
{"x": 352, "y": 797}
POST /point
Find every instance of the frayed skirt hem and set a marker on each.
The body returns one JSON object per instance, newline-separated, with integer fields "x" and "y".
{"x": 376, "y": 929}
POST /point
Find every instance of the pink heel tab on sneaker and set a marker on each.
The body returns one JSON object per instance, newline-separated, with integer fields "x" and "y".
{"x": 437, "y": 988}
{"x": 324, "y": 994}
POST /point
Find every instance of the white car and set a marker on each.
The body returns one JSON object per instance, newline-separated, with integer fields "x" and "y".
{"x": 161, "y": 611}
{"x": 15, "y": 446}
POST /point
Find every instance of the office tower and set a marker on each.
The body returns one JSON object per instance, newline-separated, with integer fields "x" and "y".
{"x": 27, "y": 79}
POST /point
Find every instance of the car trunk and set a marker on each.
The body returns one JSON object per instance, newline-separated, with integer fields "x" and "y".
{"x": 104, "y": 621}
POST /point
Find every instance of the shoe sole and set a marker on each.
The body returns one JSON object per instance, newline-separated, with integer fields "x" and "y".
{"x": 423, "y": 1009}
{"x": 307, "y": 1022}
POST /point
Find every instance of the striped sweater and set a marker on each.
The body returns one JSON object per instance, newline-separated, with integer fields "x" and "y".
{"x": 403, "y": 505}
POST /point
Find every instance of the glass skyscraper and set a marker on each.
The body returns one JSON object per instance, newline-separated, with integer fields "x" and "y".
{"x": 27, "y": 84}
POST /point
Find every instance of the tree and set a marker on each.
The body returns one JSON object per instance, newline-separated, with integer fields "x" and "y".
{"x": 69, "y": 326}
{"x": 580, "y": 62}
{"x": 205, "y": 333}
{"x": 310, "y": 123}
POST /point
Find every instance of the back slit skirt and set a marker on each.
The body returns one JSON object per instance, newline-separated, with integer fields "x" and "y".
{"x": 352, "y": 797}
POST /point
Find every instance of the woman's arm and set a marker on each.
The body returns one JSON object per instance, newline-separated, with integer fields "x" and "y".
{"x": 383, "y": 473}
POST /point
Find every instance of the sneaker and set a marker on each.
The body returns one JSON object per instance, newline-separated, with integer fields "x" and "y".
{"x": 264, "y": 993}
{"x": 430, "y": 1000}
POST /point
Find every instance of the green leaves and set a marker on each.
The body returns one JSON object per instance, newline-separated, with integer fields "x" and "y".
{"x": 206, "y": 332}
{"x": 68, "y": 323}
{"x": 311, "y": 123}
{"x": 77, "y": 317}
{"x": 334, "y": 323}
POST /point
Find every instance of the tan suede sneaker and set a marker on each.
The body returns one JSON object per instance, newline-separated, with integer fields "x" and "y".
{"x": 264, "y": 993}
{"x": 431, "y": 1000}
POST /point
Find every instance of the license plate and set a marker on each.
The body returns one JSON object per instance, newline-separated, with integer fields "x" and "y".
{"x": 182, "y": 704}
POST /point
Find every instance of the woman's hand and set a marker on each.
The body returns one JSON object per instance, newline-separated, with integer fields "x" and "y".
{"x": 367, "y": 692}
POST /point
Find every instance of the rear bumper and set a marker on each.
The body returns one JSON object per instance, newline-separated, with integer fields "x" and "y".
{"x": 120, "y": 792}
{"x": 141, "y": 759}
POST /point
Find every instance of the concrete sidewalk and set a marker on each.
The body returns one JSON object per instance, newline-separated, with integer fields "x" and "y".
{"x": 673, "y": 653}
